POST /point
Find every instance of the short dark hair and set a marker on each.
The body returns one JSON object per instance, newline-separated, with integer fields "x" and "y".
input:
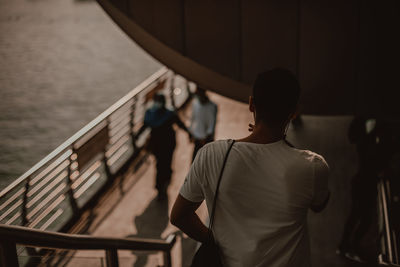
{"x": 159, "y": 97}
{"x": 276, "y": 94}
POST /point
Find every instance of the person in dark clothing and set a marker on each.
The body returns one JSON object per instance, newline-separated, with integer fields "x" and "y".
{"x": 162, "y": 140}
{"x": 368, "y": 134}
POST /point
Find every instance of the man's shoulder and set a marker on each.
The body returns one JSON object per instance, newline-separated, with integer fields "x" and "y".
{"x": 216, "y": 145}
{"x": 169, "y": 113}
{"x": 312, "y": 158}
{"x": 215, "y": 148}
{"x": 308, "y": 156}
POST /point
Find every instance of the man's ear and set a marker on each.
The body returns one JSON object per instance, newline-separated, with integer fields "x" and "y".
{"x": 251, "y": 104}
{"x": 295, "y": 113}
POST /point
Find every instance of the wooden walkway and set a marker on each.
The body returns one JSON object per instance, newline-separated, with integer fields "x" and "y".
{"x": 139, "y": 214}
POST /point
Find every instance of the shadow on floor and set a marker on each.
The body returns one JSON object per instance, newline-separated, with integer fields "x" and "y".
{"x": 150, "y": 224}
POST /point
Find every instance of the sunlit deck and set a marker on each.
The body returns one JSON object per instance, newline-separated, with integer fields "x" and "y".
{"x": 137, "y": 213}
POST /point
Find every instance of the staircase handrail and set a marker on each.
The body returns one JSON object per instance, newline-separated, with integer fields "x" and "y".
{"x": 13, "y": 235}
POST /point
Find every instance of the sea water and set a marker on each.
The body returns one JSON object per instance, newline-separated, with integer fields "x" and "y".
{"x": 62, "y": 62}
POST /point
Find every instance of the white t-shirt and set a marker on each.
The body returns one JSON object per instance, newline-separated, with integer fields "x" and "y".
{"x": 203, "y": 119}
{"x": 265, "y": 193}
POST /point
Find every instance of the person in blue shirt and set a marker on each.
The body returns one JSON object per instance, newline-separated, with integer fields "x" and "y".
{"x": 162, "y": 140}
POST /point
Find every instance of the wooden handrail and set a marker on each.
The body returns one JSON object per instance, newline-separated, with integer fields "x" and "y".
{"x": 13, "y": 235}
{"x": 37, "y": 238}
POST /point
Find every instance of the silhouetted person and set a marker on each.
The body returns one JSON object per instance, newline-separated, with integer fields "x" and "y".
{"x": 369, "y": 136}
{"x": 204, "y": 116}
{"x": 266, "y": 189}
{"x": 162, "y": 140}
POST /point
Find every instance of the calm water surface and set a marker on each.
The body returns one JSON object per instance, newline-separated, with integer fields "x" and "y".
{"x": 62, "y": 62}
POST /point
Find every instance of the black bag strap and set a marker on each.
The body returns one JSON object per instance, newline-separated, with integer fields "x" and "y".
{"x": 217, "y": 190}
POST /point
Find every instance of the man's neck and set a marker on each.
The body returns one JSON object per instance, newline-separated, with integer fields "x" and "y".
{"x": 263, "y": 134}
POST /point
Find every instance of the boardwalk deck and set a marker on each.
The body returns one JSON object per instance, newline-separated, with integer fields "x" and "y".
{"x": 139, "y": 214}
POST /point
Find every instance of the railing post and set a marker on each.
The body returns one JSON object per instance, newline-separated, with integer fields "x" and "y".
{"x": 167, "y": 258}
{"x": 112, "y": 258}
{"x": 105, "y": 159}
{"x": 132, "y": 124}
{"x": 24, "y": 212}
{"x": 8, "y": 253}
{"x": 106, "y": 167}
{"x": 72, "y": 200}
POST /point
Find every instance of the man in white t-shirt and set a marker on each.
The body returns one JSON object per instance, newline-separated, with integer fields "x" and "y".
{"x": 202, "y": 124}
{"x": 266, "y": 189}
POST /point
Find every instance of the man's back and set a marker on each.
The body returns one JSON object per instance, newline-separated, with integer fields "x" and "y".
{"x": 265, "y": 193}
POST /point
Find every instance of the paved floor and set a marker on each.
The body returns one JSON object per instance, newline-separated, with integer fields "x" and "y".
{"x": 138, "y": 214}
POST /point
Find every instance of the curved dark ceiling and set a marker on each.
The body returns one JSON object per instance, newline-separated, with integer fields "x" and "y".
{"x": 346, "y": 53}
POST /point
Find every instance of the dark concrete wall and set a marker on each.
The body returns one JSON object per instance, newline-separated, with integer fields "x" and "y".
{"x": 218, "y": 47}
{"x": 328, "y": 51}
{"x": 388, "y": 56}
{"x": 345, "y": 52}
{"x": 269, "y": 37}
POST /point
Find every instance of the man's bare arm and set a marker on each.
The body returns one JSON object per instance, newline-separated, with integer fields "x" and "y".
{"x": 183, "y": 216}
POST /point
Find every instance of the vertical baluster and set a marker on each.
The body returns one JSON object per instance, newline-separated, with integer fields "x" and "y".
{"x": 132, "y": 124}
{"x": 8, "y": 253}
{"x": 105, "y": 159}
{"x": 25, "y": 221}
{"x": 106, "y": 167}
{"x": 70, "y": 192}
{"x": 112, "y": 258}
{"x": 24, "y": 212}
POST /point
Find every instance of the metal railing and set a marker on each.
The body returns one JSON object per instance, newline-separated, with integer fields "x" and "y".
{"x": 388, "y": 241}
{"x": 57, "y": 189}
{"x": 13, "y": 235}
